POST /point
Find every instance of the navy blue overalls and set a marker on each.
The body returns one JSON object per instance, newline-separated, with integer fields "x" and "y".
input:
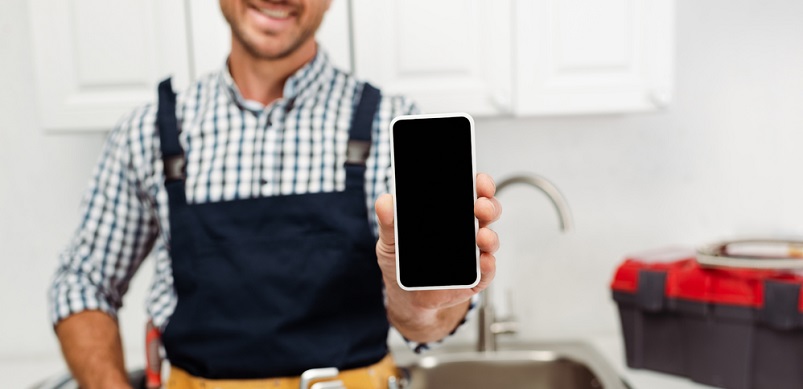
{"x": 273, "y": 286}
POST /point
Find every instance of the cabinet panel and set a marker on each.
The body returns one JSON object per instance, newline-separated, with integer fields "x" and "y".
{"x": 95, "y": 60}
{"x": 447, "y": 55}
{"x": 93, "y": 43}
{"x": 593, "y": 56}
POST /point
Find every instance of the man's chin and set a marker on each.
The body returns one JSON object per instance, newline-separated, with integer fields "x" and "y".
{"x": 265, "y": 46}
{"x": 271, "y": 54}
{"x": 268, "y": 50}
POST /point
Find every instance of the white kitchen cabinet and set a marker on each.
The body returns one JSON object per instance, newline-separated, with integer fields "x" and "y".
{"x": 519, "y": 57}
{"x": 447, "y": 55}
{"x": 94, "y": 60}
{"x": 593, "y": 56}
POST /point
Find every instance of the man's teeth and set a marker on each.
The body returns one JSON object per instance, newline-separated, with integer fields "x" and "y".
{"x": 274, "y": 13}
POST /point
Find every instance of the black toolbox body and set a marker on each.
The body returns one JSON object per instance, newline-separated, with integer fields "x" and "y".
{"x": 730, "y": 329}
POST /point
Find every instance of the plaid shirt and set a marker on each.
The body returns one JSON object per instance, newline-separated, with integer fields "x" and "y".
{"x": 235, "y": 149}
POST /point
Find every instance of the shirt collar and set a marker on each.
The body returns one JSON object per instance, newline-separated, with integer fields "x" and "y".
{"x": 296, "y": 88}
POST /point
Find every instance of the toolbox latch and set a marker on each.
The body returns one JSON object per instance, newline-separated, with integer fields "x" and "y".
{"x": 781, "y": 305}
{"x": 650, "y": 293}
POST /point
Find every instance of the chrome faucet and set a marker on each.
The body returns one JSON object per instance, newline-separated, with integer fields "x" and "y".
{"x": 489, "y": 325}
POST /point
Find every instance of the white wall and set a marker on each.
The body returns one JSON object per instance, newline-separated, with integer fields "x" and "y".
{"x": 42, "y": 179}
{"x": 721, "y": 162}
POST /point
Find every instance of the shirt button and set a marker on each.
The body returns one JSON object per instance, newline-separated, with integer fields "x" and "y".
{"x": 263, "y": 181}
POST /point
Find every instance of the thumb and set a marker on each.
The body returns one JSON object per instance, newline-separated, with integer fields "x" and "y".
{"x": 384, "y": 216}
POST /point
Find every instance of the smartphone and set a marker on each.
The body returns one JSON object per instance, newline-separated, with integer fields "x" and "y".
{"x": 434, "y": 191}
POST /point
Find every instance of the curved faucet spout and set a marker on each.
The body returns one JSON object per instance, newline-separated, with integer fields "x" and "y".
{"x": 549, "y": 189}
{"x": 489, "y": 325}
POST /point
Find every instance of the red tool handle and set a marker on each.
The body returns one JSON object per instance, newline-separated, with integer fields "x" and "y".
{"x": 153, "y": 357}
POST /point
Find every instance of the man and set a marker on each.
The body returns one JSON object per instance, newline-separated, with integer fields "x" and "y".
{"x": 266, "y": 219}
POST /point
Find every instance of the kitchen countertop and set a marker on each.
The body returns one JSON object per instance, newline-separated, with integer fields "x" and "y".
{"x": 22, "y": 373}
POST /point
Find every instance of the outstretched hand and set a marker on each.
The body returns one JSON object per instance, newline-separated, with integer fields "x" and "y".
{"x": 424, "y": 304}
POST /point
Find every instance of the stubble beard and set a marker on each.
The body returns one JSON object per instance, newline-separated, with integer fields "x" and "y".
{"x": 253, "y": 48}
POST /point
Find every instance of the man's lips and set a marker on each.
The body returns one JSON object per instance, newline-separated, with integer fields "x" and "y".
{"x": 271, "y": 18}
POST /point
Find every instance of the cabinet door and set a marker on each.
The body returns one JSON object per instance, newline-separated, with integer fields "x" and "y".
{"x": 593, "y": 56}
{"x": 95, "y": 60}
{"x": 447, "y": 55}
{"x": 211, "y": 36}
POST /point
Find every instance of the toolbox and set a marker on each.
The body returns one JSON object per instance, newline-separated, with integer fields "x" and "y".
{"x": 723, "y": 320}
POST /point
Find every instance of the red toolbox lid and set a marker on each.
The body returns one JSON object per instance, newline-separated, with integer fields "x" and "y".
{"x": 732, "y": 286}
{"x": 687, "y": 279}
{"x": 626, "y": 277}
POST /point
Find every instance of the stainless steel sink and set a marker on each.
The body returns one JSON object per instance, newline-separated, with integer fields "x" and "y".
{"x": 563, "y": 365}
{"x": 494, "y": 364}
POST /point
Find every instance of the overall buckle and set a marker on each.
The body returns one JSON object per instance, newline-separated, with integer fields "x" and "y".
{"x": 318, "y": 374}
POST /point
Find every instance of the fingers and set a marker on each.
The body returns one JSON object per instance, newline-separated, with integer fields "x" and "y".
{"x": 485, "y": 185}
{"x": 487, "y": 208}
{"x": 487, "y": 240}
{"x": 487, "y": 271}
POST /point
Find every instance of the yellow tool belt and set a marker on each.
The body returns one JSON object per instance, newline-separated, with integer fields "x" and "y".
{"x": 375, "y": 376}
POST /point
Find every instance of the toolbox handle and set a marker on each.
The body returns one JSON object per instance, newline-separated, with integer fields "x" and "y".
{"x": 770, "y": 254}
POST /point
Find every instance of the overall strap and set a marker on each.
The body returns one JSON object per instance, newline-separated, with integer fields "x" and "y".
{"x": 362, "y": 122}
{"x": 359, "y": 145}
{"x": 172, "y": 153}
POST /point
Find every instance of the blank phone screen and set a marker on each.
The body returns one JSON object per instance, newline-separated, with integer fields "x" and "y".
{"x": 433, "y": 162}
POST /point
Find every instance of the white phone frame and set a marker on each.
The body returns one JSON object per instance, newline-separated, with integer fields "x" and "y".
{"x": 474, "y": 188}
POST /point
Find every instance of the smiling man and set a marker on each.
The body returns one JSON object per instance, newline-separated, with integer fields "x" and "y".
{"x": 261, "y": 193}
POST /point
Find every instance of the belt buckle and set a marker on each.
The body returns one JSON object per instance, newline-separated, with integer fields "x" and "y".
{"x": 318, "y": 374}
